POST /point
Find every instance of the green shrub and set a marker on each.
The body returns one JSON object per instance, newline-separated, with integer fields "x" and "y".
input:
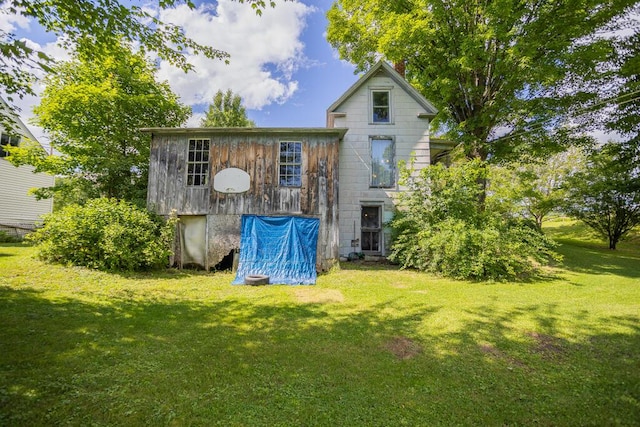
{"x": 445, "y": 227}
{"x": 8, "y": 238}
{"x": 105, "y": 234}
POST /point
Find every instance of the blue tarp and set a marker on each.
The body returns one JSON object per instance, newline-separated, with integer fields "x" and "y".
{"x": 282, "y": 247}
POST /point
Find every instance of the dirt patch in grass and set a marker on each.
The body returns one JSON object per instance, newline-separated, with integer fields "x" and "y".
{"x": 318, "y": 296}
{"x": 496, "y": 353}
{"x": 546, "y": 345}
{"x": 403, "y": 348}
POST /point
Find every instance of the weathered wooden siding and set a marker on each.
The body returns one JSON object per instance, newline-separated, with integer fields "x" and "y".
{"x": 257, "y": 154}
{"x": 167, "y": 189}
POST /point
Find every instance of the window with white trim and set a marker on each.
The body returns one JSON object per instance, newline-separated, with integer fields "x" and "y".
{"x": 6, "y": 139}
{"x": 382, "y": 162}
{"x": 198, "y": 162}
{"x": 381, "y": 106}
{"x": 290, "y": 164}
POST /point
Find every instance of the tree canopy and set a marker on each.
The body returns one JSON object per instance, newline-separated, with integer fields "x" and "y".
{"x": 93, "y": 109}
{"x": 505, "y": 74}
{"x": 541, "y": 184}
{"x": 625, "y": 118}
{"x": 93, "y": 26}
{"x": 606, "y": 194}
{"x": 226, "y": 110}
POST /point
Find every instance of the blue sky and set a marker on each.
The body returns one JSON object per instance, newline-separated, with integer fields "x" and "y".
{"x": 320, "y": 84}
{"x": 281, "y": 63}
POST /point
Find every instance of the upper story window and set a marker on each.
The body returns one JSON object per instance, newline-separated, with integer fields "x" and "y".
{"x": 381, "y": 106}
{"x": 382, "y": 162}
{"x": 6, "y": 139}
{"x": 290, "y": 164}
{"x": 198, "y": 162}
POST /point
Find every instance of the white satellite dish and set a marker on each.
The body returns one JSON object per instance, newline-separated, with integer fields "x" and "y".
{"x": 231, "y": 180}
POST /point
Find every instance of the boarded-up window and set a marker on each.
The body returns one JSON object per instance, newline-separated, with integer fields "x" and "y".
{"x": 382, "y": 160}
{"x": 193, "y": 232}
{"x": 290, "y": 164}
{"x": 198, "y": 162}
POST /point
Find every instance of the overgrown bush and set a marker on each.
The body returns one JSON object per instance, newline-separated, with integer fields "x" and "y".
{"x": 449, "y": 225}
{"x": 8, "y": 238}
{"x": 105, "y": 234}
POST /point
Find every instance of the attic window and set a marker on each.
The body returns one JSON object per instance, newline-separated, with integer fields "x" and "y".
{"x": 290, "y": 164}
{"x": 381, "y": 110}
{"x": 198, "y": 162}
{"x": 6, "y": 139}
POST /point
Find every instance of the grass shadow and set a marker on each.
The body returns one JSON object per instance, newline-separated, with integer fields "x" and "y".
{"x": 259, "y": 363}
{"x": 8, "y": 252}
{"x": 588, "y": 258}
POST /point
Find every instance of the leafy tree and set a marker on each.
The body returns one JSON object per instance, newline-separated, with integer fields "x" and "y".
{"x": 226, "y": 111}
{"x": 105, "y": 234}
{"x": 441, "y": 228}
{"x": 93, "y": 26}
{"x": 625, "y": 118}
{"x": 505, "y": 74}
{"x": 541, "y": 183}
{"x": 606, "y": 194}
{"x": 93, "y": 110}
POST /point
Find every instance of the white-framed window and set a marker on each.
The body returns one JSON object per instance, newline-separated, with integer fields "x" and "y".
{"x": 371, "y": 229}
{"x": 382, "y": 162}
{"x": 290, "y": 164}
{"x": 198, "y": 162}
{"x": 6, "y": 139}
{"x": 380, "y": 106}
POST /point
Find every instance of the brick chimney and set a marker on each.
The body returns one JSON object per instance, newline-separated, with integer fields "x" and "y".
{"x": 400, "y": 67}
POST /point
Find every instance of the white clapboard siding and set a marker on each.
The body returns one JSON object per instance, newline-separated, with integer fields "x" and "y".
{"x": 408, "y": 127}
{"x": 17, "y": 207}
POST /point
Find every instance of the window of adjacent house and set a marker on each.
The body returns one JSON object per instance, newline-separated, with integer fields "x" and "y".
{"x": 290, "y": 164}
{"x": 370, "y": 228}
{"x": 198, "y": 162}
{"x": 6, "y": 139}
{"x": 380, "y": 104}
{"x": 382, "y": 163}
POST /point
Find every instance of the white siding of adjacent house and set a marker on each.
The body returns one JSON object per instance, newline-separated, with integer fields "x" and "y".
{"x": 411, "y": 135}
{"x": 17, "y": 207}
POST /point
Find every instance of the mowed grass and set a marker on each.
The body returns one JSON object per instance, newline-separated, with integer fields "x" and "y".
{"x": 367, "y": 346}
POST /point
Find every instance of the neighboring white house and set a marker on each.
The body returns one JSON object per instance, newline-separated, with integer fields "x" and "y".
{"x": 20, "y": 211}
{"x": 387, "y": 121}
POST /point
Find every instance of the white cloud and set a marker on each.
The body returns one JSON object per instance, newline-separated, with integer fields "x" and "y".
{"x": 10, "y": 22}
{"x": 265, "y": 52}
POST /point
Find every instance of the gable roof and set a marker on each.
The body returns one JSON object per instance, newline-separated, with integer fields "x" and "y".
{"x": 430, "y": 109}
{"x": 20, "y": 127}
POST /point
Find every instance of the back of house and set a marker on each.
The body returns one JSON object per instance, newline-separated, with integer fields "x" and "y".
{"x": 344, "y": 175}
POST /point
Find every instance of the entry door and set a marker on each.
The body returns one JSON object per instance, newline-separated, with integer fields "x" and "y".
{"x": 371, "y": 229}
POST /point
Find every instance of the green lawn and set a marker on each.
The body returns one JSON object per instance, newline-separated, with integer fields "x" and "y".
{"x": 366, "y": 346}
